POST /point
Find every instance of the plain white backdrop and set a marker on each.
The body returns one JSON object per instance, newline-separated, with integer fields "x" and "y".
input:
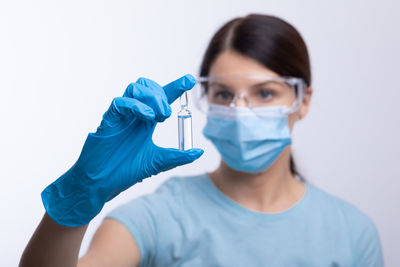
{"x": 62, "y": 62}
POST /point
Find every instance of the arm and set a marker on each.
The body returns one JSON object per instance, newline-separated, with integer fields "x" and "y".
{"x": 56, "y": 245}
{"x": 112, "y": 245}
{"x": 118, "y": 155}
{"x": 53, "y": 245}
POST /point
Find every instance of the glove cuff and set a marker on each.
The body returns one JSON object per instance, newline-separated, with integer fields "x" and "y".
{"x": 68, "y": 203}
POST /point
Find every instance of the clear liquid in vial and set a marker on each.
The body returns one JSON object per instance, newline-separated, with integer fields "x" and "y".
{"x": 185, "y": 130}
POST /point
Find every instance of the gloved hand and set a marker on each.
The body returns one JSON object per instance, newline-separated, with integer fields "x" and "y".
{"x": 120, "y": 153}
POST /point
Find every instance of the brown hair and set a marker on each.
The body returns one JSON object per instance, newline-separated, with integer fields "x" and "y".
{"x": 267, "y": 39}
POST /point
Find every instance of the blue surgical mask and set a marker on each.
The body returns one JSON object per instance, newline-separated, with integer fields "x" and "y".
{"x": 249, "y": 140}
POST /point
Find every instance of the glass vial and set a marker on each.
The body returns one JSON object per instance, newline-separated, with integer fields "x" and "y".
{"x": 185, "y": 125}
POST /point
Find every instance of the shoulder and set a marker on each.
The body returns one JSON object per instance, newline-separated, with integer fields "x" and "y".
{"x": 339, "y": 207}
{"x": 360, "y": 228}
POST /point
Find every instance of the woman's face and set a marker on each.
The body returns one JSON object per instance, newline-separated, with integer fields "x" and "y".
{"x": 233, "y": 63}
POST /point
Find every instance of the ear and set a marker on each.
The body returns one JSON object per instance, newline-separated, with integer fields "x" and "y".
{"x": 305, "y": 105}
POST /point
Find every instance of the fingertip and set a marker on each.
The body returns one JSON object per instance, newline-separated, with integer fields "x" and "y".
{"x": 188, "y": 82}
{"x": 195, "y": 152}
{"x": 191, "y": 79}
{"x": 176, "y": 88}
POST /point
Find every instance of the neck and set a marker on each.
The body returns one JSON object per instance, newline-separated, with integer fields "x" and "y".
{"x": 273, "y": 190}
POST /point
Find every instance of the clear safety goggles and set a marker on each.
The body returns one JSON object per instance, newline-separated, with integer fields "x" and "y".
{"x": 252, "y": 90}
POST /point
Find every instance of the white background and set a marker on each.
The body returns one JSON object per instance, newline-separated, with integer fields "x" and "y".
{"x": 62, "y": 62}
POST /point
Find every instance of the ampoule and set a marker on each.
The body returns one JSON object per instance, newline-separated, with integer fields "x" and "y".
{"x": 185, "y": 124}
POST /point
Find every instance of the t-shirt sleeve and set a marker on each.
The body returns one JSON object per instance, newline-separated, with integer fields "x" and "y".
{"x": 142, "y": 217}
{"x": 367, "y": 244}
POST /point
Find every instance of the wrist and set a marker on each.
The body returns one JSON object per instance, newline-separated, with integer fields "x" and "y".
{"x": 69, "y": 202}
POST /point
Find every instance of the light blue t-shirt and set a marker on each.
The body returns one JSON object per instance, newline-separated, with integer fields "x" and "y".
{"x": 188, "y": 221}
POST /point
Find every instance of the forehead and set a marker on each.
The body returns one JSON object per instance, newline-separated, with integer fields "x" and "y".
{"x": 230, "y": 63}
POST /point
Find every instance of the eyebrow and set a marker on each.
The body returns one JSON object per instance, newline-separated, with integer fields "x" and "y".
{"x": 221, "y": 85}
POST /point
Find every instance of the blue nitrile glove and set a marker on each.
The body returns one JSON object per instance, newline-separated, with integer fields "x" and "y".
{"x": 120, "y": 153}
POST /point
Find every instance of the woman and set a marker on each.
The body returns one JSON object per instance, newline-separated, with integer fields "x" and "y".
{"x": 253, "y": 210}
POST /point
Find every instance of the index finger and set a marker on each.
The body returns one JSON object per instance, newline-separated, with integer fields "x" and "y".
{"x": 175, "y": 89}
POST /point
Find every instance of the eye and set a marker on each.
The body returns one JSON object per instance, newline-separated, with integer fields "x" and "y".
{"x": 265, "y": 94}
{"x": 223, "y": 96}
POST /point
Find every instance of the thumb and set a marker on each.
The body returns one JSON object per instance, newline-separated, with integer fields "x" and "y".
{"x": 169, "y": 158}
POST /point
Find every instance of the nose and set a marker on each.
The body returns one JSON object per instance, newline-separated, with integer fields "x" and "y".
{"x": 240, "y": 100}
